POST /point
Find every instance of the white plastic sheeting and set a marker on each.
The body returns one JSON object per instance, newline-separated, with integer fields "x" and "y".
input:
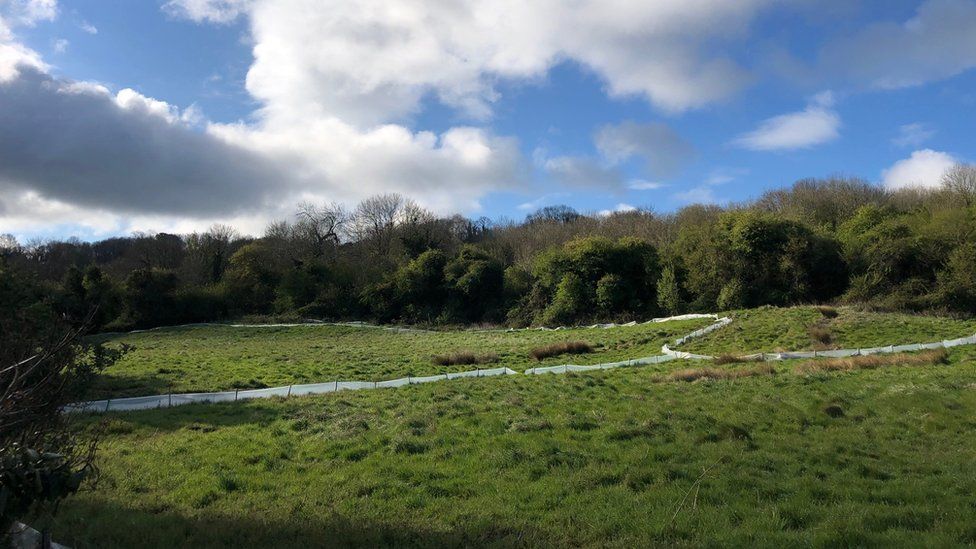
{"x": 832, "y": 353}
{"x": 165, "y": 401}
{"x": 668, "y": 354}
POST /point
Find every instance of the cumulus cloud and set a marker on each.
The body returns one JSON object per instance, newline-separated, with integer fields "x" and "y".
{"x": 373, "y": 61}
{"x": 128, "y": 160}
{"x": 937, "y": 42}
{"x": 923, "y": 168}
{"x": 815, "y": 125}
{"x": 913, "y": 135}
{"x": 78, "y": 144}
{"x": 661, "y": 148}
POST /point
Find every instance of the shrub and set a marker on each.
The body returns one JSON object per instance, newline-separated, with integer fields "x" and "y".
{"x": 562, "y": 348}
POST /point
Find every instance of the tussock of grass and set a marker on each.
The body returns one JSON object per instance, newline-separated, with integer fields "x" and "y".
{"x": 821, "y": 334}
{"x": 694, "y": 374}
{"x": 872, "y": 362}
{"x": 730, "y": 359}
{"x": 464, "y": 357}
{"x": 827, "y": 312}
{"x": 561, "y": 348}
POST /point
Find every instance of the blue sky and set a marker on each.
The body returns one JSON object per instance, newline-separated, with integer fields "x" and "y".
{"x": 130, "y": 115}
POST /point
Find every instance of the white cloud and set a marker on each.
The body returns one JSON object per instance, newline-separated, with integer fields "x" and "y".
{"x": 619, "y": 208}
{"x": 641, "y": 185}
{"x": 214, "y": 11}
{"x": 661, "y": 148}
{"x": 815, "y": 125}
{"x": 373, "y": 61}
{"x": 88, "y": 27}
{"x": 702, "y": 194}
{"x": 923, "y": 168}
{"x": 61, "y": 45}
{"x": 937, "y": 42}
{"x": 28, "y": 12}
{"x": 21, "y": 13}
{"x": 913, "y": 135}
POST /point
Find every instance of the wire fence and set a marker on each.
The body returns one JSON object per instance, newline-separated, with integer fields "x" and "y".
{"x": 667, "y": 354}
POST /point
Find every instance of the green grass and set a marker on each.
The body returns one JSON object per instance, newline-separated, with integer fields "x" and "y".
{"x": 618, "y": 458}
{"x": 214, "y": 358}
{"x": 772, "y": 329}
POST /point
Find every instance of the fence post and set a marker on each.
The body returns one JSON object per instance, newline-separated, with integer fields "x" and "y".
{"x": 289, "y": 390}
{"x": 107, "y": 403}
{"x": 336, "y": 390}
{"x": 171, "y": 399}
{"x": 235, "y": 394}
{"x": 408, "y": 379}
{"x": 479, "y": 373}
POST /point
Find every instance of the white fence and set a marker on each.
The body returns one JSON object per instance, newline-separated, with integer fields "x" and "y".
{"x": 668, "y": 354}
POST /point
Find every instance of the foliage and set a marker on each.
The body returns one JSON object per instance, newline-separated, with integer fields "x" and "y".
{"x": 43, "y": 366}
{"x": 390, "y": 260}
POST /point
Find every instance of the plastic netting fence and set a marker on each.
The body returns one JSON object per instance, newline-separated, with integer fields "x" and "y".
{"x": 166, "y": 401}
{"x": 668, "y": 354}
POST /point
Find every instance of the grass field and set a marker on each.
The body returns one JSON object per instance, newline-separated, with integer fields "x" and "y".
{"x": 214, "y": 358}
{"x": 614, "y": 458}
{"x": 872, "y": 451}
{"x": 771, "y": 329}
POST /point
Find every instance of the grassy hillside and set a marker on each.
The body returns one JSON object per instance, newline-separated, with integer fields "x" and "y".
{"x": 774, "y": 329}
{"x": 619, "y": 458}
{"x": 212, "y": 358}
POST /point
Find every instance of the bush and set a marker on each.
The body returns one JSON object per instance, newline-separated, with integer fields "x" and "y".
{"x": 562, "y": 348}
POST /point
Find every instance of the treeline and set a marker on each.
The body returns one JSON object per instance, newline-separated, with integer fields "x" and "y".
{"x": 389, "y": 260}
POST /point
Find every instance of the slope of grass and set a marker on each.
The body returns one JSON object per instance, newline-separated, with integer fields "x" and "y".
{"x": 773, "y": 329}
{"x": 869, "y": 457}
{"x": 213, "y": 358}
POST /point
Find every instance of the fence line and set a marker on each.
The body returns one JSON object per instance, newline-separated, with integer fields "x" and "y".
{"x": 668, "y": 354}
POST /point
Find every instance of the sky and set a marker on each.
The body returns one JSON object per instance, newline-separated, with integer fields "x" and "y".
{"x": 118, "y": 116}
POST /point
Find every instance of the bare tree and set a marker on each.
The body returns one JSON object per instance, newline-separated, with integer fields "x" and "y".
{"x": 960, "y": 180}
{"x": 325, "y": 225}
{"x": 375, "y": 219}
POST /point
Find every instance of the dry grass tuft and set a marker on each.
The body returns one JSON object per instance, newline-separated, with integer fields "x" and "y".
{"x": 694, "y": 374}
{"x": 464, "y": 357}
{"x": 821, "y": 334}
{"x": 872, "y": 362}
{"x": 731, "y": 359}
{"x": 827, "y": 312}
{"x": 562, "y": 348}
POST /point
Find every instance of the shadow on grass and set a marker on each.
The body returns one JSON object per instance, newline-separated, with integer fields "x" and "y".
{"x": 108, "y": 386}
{"x": 89, "y": 524}
{"x": 259, "y": 412}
